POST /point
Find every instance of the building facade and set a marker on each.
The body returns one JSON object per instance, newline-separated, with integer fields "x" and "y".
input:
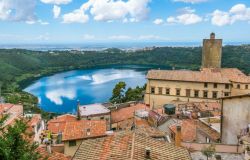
{"x": 235, "y": 118}
{"x": 206, "y": 85}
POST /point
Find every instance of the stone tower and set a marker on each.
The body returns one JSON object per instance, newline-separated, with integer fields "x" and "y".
{"x": 211, "y": 52}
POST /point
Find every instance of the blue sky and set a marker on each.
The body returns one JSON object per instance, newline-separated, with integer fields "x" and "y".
{"x": 82, "y": 21}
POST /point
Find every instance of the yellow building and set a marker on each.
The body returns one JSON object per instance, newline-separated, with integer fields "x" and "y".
{"x": 206, "y": 85}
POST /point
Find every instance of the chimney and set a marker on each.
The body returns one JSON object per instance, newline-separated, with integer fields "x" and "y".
{"x": 78, "y": 110}
{"x": 178, "y": 136}
{"x": 147, "y": 152}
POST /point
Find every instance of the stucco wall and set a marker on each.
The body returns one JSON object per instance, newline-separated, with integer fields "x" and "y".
{"x": 160, "y": 99}
{"x": 71, "y": 150}
{"x": 236, "y": 116}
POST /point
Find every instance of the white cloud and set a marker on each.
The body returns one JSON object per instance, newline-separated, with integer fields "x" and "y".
{"x": 191, "y": 1}
{"x": 238, "y": 12}
{"x": 151, "y": 37}
{"x": 111, "y": 10}
{"x": 57, "y": 2}
{"x": 88, "y": 37}
{"x": 16, "y": 10}
{"x": 43, "y": 37}
{"x": 56, "y": 11}
{"x": 120, "y": 37}
{"x": 77, "y": 15}
{"x": 37, "y": 21}
{"x": 187, "y": 17}
{"x": 158, "y": 21}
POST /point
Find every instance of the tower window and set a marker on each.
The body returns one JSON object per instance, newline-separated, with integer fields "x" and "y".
{"x": 205, "y": 94}
{"x": 160, "y": 90}
{"x": 178, "y": 92}
{"x": 226, "y": 86}
{"x": 226, "y": 94}
{"x": 205, "y": 85}
{"x": 196, "y": 93}
{"x": 167, "y": 91}
{"x": 153, "y": 90}
{"x": 214, "y": 94}
{"x": 215, "y": 85}
{"x": 246, "y": 87}
{"x": 238, "y": 86}
{"x": 188, "y": 92}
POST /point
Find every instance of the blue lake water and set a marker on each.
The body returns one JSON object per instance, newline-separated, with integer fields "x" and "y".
{"x": 59, "y": 93}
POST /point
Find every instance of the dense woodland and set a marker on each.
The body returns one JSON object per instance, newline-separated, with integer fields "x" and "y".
{"x": 19, "y": 67}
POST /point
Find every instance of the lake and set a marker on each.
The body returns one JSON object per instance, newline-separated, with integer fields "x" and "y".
{"x": 59, "y": 93}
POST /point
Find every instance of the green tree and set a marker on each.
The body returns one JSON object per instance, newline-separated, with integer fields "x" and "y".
{"x": 208, "y": 151}
{"x": 118, "y": 93}
{"x": 14, "y": 144}
{"x": 135, "y": 94}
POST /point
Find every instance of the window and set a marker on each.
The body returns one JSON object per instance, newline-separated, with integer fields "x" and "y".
{"x": 205, "y": 85}
{"x": 178, "y": 92}
{"x": 238, "y": 86}
{"x": 246, "y": 87}
{"x": 214, "y": 94}
{"x": 226, "y": 94}
{"x": 167, "y": 91}
{"x": 188, "y": 92}
{"x": 205, "y": 94}
{"x": 215, "y": 85}
{"x": 72, "y": 143}
{"x": 160, "y": 90}
{"x": 196, "y": 93}
{"x": 153, "y": 90}
{"x": 101, "y": 118}
{"x": 227, "y": 86}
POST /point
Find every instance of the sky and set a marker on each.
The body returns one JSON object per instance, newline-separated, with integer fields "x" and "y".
{"x": 83, "y": 21}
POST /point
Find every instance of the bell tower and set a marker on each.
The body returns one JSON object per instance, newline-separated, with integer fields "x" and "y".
{"x": 211, "y": 52}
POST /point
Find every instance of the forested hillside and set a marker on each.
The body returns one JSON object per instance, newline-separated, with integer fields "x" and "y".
{"x": 19, "y": 67}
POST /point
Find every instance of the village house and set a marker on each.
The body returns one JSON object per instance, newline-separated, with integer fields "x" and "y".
{"x": 129, "y": 145}
{"x": 207, "y": 85}
{"x": 76, "y": 131}
{"x": 95, "y": 112}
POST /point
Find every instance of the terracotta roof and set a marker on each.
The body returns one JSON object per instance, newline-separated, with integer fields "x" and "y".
{"x": 128, "y": 145}
{"x": 57, "y": 124}
{"x": 237, "y": 96}
{"x": 84, "y": 129}
{"x": 224, "y": 75}
{"x": 188, "y": 130}
{"x": 126, "y": 113}
{"x": 53, "y": 156}
{"x": 35, "y": 119}
{"x": 14, "y": 111}
{"x": 210, "y": 132}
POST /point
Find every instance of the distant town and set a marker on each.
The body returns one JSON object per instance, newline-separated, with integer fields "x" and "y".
{"x": 184, "y": 115}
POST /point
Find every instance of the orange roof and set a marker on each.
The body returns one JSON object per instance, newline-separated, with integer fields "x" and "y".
{"x": 126, "y": 113}
{"x": 84, "y": 129}
{"x": 224, "y": 75}
{"x": 57, "y": 124}
{"x": 188, "y": 130}
{"x": 129, "y": 145}
{"x": 35, "y": 119}
{"x": 53, "y": 156}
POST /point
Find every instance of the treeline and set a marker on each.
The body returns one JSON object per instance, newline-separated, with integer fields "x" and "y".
{"x": 18, "y": 67}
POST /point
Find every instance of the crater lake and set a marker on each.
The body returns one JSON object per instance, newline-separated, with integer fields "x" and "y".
{"x": 59, "y": 93}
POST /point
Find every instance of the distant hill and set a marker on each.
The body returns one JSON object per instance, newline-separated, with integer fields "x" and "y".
{"x": 18, "y": 64}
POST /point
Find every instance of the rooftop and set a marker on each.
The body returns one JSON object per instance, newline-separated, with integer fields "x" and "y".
{"x": 129, "y": 145}
{"x": 188, "y": 130}
{"x": 82, "y": 129}
{"x": 223, "y": 75}
{"x": 57, "y": 124}
{"x": 51, "y": 156}
{"x": 14, "y": 112}
{"x": 93, "y": 109}
{"x": 126, "y": 113}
